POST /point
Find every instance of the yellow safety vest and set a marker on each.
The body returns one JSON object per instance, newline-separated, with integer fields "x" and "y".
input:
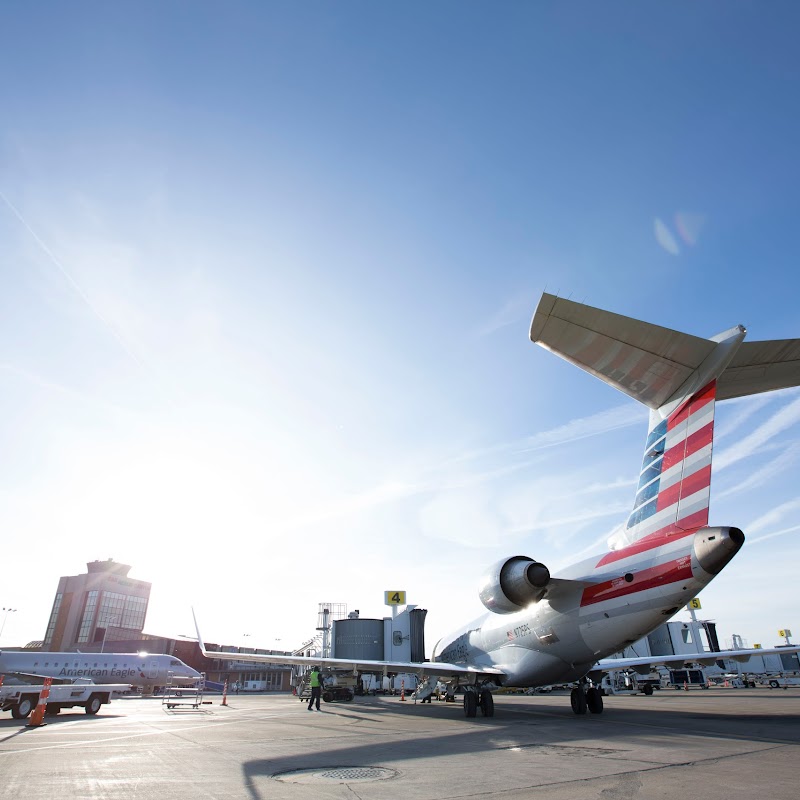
{"x": 315, "y": 679}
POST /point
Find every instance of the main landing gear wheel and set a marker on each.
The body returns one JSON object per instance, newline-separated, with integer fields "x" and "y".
{"x": 578, "y": 700}
{"x": 487, "y": 703}
{"x": 594, "y": 700}
{"x": 470, "y": 704}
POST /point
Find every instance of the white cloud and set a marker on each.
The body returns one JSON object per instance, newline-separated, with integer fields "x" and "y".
{"x": 602, "y": 422}
{"x": 783, "y": 419}
{"x": 774, "y": 515}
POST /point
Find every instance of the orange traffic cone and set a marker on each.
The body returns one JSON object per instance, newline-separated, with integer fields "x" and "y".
{"x": 37, "y": 718}
{"x": 403, "y": 690}
{"x": 685, "y": 687}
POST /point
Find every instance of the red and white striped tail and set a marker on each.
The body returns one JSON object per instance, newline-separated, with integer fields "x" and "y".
{"x": 674, "y": 484}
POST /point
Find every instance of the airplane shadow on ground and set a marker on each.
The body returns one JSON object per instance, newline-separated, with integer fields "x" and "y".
{"x": 549, "y": 724}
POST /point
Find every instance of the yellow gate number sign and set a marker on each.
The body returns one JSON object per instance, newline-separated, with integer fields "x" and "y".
{"x": 394, "y": 598}
{"x": 786, "y": 633}
{"x": 695, "y": 603}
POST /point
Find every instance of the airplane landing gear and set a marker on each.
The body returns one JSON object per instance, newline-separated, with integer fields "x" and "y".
{"x": 487, "y": 703}
{"x": 470, "y": 704}
{"x": 583, "y": 700}
{"x": 594, "y": 700}
{"x": 578, "y": 700}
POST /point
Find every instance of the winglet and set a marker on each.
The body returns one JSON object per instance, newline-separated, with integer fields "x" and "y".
{"x": 199, "y": 637}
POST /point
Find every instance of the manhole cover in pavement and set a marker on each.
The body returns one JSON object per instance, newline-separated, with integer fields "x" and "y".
{"x": 337, "y": 775}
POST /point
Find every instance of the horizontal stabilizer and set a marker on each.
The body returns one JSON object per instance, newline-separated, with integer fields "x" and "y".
{"x": 659, "y": 366}
{"x": 645, "y": 361}
{"x": 761, "y": 367}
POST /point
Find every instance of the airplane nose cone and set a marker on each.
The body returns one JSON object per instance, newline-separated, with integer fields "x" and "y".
{"x": 715, "y": 547}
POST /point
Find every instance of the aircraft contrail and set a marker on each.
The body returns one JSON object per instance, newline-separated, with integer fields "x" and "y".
{"x": 75, "y": 285}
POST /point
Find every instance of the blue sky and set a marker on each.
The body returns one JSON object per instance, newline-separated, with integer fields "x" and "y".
{"x": 268, "y": 271}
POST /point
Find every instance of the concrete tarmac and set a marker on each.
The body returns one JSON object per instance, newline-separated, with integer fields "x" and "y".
{"x": 719, "y": 744}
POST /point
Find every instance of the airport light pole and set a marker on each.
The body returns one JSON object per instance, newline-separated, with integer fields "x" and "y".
{"x": 5, "y": 617}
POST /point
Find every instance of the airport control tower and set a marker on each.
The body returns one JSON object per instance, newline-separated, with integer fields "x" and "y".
{"x": 88, "y": 607}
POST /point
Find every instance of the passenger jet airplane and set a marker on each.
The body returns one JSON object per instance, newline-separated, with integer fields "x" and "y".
{"x": 544, "y": 628}
{"x": 138, "y": 669}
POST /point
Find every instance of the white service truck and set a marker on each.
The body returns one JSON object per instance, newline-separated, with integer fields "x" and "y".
{"x": 21, "y": 699}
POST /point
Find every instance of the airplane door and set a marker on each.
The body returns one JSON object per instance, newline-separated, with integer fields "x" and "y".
{"x": 152, "y": 669}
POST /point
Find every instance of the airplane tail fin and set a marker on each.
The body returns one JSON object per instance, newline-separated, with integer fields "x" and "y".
{"x": 679, "y": 377}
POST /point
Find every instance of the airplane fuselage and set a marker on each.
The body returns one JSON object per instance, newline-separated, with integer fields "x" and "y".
{"x": 137, "y": 669}
{"x": 594, "y": 609}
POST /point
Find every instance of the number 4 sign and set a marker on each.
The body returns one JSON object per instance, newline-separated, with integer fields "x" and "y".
{"x": 394, "y": 598}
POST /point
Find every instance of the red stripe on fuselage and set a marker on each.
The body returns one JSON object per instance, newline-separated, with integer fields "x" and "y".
{"x": 684, "y": 488}
{"x": 676, "y": 570}
{"x": 663, "y": 536}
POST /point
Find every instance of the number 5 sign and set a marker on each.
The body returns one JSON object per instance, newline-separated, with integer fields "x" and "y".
{"x": 394, "y": 598}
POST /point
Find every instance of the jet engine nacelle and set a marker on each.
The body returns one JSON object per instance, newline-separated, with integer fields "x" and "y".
{"x": 514, "y": 583}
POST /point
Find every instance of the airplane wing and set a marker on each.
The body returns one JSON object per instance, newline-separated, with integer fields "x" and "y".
{"x": 705, "y": 659}
{"x": 438, "y": 668}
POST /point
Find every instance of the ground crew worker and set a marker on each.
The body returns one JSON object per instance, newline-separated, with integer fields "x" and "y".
{"x": 315, "y": 682}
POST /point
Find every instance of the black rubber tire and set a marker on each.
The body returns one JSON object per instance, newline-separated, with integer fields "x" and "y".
{"x": 594, "y": 700}
{"x": 577, "y": 699}
{"x": 327, "y": 697}
{"x": 22, "y": 709}
{"x": 647, "y": 689}
{"x": 487, "y": 703}
{"x": 93, "y": 705}
{"x": 470, "y": 704}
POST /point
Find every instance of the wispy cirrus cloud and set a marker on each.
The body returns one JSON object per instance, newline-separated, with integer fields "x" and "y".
{"x": 774, "y": 515}
{"x": 763, "y": 475}
{"x": 781, "y": 420}
{"x": 511, "y": 313}
{"x": 602, "y": 422}
{"x": 517, "y": 504}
